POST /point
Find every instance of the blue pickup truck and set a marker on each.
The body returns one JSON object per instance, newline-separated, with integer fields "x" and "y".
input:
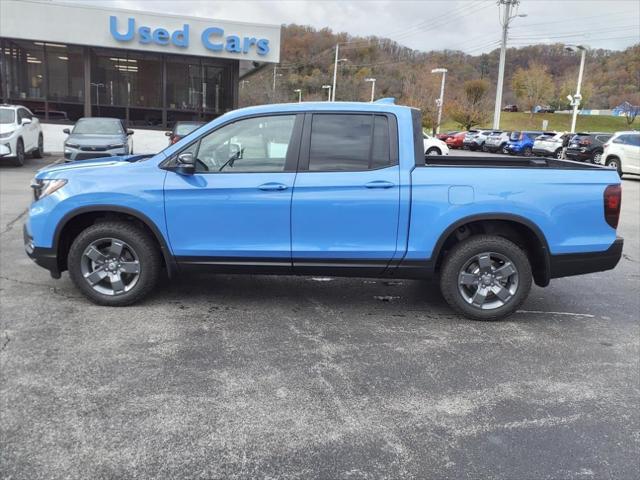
{"x": 340, "y": 189}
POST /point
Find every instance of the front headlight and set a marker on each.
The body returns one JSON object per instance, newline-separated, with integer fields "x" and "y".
{"x": 71, "y": 145}
{"x": 42, "y": 188}
{"x": 116, "y": 145}
{"x": 6, "y": 134}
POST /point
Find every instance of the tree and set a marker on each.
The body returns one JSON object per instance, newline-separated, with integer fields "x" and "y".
{"x": 471, "y": 110}
{"x": 420, "y": 90}
{"x": 533, "y": 86}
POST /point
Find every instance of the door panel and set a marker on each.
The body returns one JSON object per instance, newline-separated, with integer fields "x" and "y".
{"x": 338, "y": 215}
{"x": 229, "y": 215}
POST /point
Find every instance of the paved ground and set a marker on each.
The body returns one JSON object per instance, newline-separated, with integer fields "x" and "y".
{"x": 267, "y": 377}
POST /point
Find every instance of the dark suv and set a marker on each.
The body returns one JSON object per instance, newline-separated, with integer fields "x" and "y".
{"x": 587, "y": 147}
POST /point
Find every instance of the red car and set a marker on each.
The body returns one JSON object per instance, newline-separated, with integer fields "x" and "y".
{"x": 455, "y": 141}
{"x": 444, "y": 136}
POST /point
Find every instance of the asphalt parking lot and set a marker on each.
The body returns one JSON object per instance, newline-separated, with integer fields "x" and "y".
{"x": 284, "y": 377}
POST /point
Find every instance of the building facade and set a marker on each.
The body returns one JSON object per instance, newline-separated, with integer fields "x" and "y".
{"x": 68, "y": 61}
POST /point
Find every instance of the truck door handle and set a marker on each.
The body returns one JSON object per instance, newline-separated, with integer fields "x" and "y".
{"x": 272, "y": 186}
{"x": 379, "y": 184}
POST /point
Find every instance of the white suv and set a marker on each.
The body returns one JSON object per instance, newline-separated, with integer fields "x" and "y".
{"x": 622, "y": 152}
{"x": 433, "y": 146}
{"x": 20, "y": 133}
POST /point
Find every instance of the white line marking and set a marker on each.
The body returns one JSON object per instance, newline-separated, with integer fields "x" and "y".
{"x": 586, "y": 315}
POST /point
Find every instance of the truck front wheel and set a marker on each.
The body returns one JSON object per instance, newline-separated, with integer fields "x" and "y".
{"x": 114, "y": 263}
{"x": 485, "y": 277}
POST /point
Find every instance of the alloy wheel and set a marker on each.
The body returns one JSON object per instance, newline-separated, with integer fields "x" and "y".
{"x": 110, "y": 266}
{"x": 488, "y": 280}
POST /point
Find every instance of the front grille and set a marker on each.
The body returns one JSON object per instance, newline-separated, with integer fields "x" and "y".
{"x": 93, "y": 149}
{"x": 86, "y": 156}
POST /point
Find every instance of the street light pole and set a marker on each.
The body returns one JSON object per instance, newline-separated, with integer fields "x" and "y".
{"x": 503, "y": 55}
{"x": 335, "y": 73}
{"x": 373, "y": 87}
{"x": 299, "y": 92}
{"x": 577, "y": 98}
{"x": 440, "y": 101}
{"x": 328, "y": 88}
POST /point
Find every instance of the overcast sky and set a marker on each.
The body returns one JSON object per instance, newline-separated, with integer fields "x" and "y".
{"x": 468, "y": 25}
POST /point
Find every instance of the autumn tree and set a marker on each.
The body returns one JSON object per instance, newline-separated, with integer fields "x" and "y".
{"x": 420, "y": 89}
{"x": 533, "y": 86}
{"x": 472, "y": 109}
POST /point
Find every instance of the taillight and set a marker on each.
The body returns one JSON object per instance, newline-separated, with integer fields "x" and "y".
{"x": 606, "y": 145}
{"x": 612, "y": 203}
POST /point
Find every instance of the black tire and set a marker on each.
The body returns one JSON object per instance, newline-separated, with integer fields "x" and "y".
{"x": 18, "y": 160}
{"x": 484, "y": 148}
{"x": 39, "y": 151}
{"x": 144, "y": 246}
{"x": 558, "y": 154}
{"x": 503, "y": 149}
{"x": 527, "y": 152}
{"x": 433, "y": 151}
{"x": 614, "y": 162}
{"x": 462, "y": 253}
{"x": 596, "y": 158}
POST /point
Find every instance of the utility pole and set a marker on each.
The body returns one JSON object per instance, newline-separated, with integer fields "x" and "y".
{"x": 440, "y": 101}
{"x": 507, "y": 17}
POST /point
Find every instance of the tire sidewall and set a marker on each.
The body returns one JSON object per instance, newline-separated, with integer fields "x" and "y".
{"x": 38, "y": 152}
{"x": 465, "y": 250}
{"x": 138, "y": 240}
{"x": 19, "y": 158}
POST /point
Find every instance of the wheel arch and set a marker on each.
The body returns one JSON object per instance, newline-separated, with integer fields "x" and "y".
{"x": 521, "y": 230}
{"x": 78, "y": 219}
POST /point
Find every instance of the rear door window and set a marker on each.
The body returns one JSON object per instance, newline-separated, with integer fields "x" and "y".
{"x": 349, "y": 142}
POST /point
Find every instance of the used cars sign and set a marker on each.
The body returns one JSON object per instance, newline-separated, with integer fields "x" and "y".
{"x": 212, "y": 38}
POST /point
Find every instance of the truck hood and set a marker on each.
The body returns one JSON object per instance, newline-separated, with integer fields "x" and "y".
{"x": 81, "y": 165}
{"x": 7, "y": 127}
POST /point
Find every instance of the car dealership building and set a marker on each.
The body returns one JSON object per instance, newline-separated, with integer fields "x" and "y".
{"x": 65, "y": 61}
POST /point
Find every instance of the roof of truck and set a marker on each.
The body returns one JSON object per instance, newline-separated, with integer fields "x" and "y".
{"x": 318, "y": 106}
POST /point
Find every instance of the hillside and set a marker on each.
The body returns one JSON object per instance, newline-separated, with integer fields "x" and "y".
{"x": 307, "y": 63}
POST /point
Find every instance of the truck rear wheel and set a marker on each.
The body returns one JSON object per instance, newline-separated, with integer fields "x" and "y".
{"x": 485, "y": 277}
{"x": 114, "y": 263}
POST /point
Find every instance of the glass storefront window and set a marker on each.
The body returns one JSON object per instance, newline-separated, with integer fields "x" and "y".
{"x": 25, "y": 64}
{"x": 65, "y": 68}
{"x": 144, "y": 79}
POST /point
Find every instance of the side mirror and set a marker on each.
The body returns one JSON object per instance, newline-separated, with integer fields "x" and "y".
{"x": 67, "y": 131}
{"x": 186, "y": 164}
{"x": 25, "y": 121}
{"x": 167, "y": 134}
{"x": 130, "y": 132}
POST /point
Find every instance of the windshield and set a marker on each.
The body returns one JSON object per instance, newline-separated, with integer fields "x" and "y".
{"x": 98, "y": 126}
{"x": 515, "y": 136}
{"x": 7, "y": 115}
{"x": 184, "y": 129}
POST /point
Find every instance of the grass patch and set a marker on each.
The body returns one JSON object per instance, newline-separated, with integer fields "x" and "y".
{"x": 557, "y": 121}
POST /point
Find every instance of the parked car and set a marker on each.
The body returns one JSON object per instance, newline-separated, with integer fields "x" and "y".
{"x": 456, "y": 141}
{"x": 544, "y": 109}
{"x": 20, "y": 134}
{"x": 433, "y": 146}
{"x": 475, "y": 139}
{"x": 97, "y": 137}
{"x": 510, "y": 108}
{"x": 182, "y": 129}
{"x": 497, "y": 141}
{"x": 521, "y": 143}
{"x": 444, "y": 136}
{"x": 622, "y": 152}
{"x": 359, "y": 199}
{"x": 550, "y": 144}
{"x": 587, "y": 147}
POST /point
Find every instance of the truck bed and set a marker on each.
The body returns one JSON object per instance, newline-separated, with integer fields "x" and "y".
{"x": 512, "y": 162}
